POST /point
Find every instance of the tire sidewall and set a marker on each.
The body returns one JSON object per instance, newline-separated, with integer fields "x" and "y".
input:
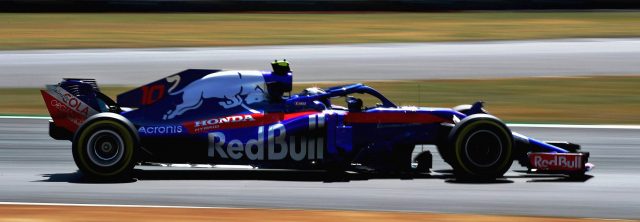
{"x": 80, "y": 150}
{"x": 459, "y": 136}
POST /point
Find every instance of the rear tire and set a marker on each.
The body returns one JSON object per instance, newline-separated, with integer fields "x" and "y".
{"x": 104, "y": 148}
{"x": 481, "y": 147}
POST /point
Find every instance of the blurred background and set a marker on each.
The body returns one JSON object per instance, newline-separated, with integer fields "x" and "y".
{"x": 588, "y": 47}
{"x": 306, "y": 5}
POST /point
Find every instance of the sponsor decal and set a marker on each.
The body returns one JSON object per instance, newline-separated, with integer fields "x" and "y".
{"x": 228, "y": 122}
{"x": 556, "y": 161}
{"x": 160, "y": 130}
{"x": 278, "y": 145}
{"x": 233, "y": 88}
{"x": 70, "y": 101}
{"x": 60, "y": 106}
{"x": 66, "y": 110}
{"x": 275, "y": 141}
{"x": 243, "y": 120}
{"x": 228, "y": 119}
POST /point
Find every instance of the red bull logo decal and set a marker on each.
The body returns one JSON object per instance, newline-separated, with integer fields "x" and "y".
{"x": 556, "y": 161}
{"x": 278, "y": 146}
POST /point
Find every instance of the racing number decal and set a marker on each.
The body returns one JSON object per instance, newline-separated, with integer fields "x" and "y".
{"x": 175, "y": 79}
{"x": 151, "y": 94}
{"x": 278, "y": 145}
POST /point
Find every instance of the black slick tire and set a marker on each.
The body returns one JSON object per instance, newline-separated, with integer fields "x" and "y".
{"x": 104, "y": 147}
{"x": 481, "y": 147}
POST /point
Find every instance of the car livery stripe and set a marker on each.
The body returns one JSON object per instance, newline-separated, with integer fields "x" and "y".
{"x": 241, "y": 121}
{"x": 289, "y": 116}
{"x": 399, "y": 117}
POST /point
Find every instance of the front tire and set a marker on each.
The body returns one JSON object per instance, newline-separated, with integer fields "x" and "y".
{"x": 104, "y": 148}
{"x": 481, "y": 147}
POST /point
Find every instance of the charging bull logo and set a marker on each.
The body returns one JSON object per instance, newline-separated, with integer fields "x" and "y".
{"x": 232, "y": 87}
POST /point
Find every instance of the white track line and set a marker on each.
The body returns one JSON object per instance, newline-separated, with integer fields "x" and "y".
{"x": 115, "y": 205}
{"x": 566, "y": 126}
{"x": 25, "y": 117}
{"x": 569, "y": 126}
{"x": 196, "y": 207}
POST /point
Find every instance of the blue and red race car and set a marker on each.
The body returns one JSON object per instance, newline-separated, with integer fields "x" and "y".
{"x": 251, "y": 118}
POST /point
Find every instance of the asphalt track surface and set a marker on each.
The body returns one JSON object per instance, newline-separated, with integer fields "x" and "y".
{"x": 356, "y": 62}
{"x": 36, "y": 168}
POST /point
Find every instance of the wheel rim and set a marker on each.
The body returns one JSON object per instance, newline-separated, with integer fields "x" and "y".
{"x": 105, "y": 148}
{"x": 483, "y": 148}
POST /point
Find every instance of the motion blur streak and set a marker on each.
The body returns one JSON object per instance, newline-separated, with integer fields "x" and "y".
{"x": 47, "y": 213}
{"x": 35, "y": 168}
{"x": 392, "y": 61}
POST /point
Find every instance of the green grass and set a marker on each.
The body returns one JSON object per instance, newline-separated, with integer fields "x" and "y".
{"x": 108, "y": 30}
{"x": 614, "y": 100}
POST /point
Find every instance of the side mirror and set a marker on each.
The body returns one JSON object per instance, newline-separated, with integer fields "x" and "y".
{"x": 319, "y": 106}
{"x": 354, "y": 104}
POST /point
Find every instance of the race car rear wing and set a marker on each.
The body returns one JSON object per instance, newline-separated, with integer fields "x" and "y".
{"x": 70, "y": 103}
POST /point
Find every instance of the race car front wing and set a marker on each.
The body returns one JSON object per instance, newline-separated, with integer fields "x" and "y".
{"x": 553, "y": 157}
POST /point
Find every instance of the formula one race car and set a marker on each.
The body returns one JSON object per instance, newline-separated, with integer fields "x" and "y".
{"x": 251, "y": 118}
